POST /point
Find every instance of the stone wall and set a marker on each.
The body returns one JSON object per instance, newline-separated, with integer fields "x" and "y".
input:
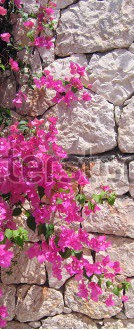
{"x": 98, "y": 137}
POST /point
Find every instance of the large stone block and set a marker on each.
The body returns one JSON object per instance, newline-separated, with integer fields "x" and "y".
{"x": 23, "y": 269}
{"x": 86, "y": 127}
{"x": 70, "y": 321}
{"x": 122, "y": 250}
{"x": 8, "y": 299}
{"x": 95, "y": 310}
{"x": 112, "y": 75}
{"x": 116, "y": 219}
{"x": 112, "y": 173}
{"x": 90, "y": 26}
{"x": 35, "y": 302}
{"x": 118, "y": 324}
{"x": 126, "y": 128}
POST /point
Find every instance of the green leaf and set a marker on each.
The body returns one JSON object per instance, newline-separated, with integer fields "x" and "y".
{"x": 111, "y": 198}
{"x": 59, "y": 201}
{"x": 116, "y": 291}
{"x": 81, "y": 199}
{"x": 66, "y": 254}
{"x": 74, "y": 89}
{"x": 8, "y": 233}
{"x": 77, "y": 254}
{"x": 17, "y": 211}
{"x": 31, "y": 222}
{"x": 41, "y": 191}
{"x": 108, "y": 284}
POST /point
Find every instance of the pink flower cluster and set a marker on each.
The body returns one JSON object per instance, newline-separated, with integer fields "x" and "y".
{"x": 66, "y": 90}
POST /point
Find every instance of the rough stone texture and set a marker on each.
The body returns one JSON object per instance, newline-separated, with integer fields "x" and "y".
{"x": 122, "y": 250}
{"x": 131, "y": 178}
{"x": 32, "y": 59}
{"x": 90, "y": 308}
{"x": 90, "y": 26}
{"x": 17, "y": 325}
{"x": 112, "y": 75}
{"x": 35, "y": 302}
{"x": 7, "y": 90}
{"x": 86, "y": 128}
{"x": 118, "y": 324}
{"x": 26, "y": 270}
{"x": 131, "y": 48}
{"x": 71, "y": 321}
{"x": 129, "y": 305}
{"x": 111, "y": 173}
{"x": 126, "y": 128}
{"x": 116, "y": 219}
{"x": 35, "y": 325}
{"x": 8, "y": 300}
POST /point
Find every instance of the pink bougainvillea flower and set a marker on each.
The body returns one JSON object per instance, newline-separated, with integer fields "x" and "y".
{"x": 105, "y": 188}
{"x": 14, "y": 65}
{"x": 109, "y": 301}
{"x": 28, "y": 24}
{"x": 49, "y": 11}
{"x": 3, "y": 11}
{"x": 86, "y": 97}
{"x": 18, "y": 3}
{"x": 5, "y": 36}
{"x": 2, "y": 1}
{"x": 20, "y": 96}
{"x": 124, "y": 298}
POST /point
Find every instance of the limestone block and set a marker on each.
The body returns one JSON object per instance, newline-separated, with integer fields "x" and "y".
{"x": 8, "y": 299}
{"x": 86, "y": 127}
{"x": 23, "y": 269}
{"x": 108, "y": 173}
{"x": 116, "y": 219}
{"x": 95, "y": 310}
{"x": 126, "y": 128}
{"x": 35, "y": 302}
{"x": 90, "y": 26}
{"x": 112, "y": 75}
{"x": 70, "y": 321}
{"x": 118, "y": 324}
{"x": 122, "y": 250}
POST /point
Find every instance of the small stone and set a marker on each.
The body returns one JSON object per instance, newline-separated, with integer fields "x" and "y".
{"x": 8, "y": 300}
{"x": 95, "y": 310}
{"x": 129, "y": 305}
{"x": 118, "y": 324}
{"x": 122, "y": 250}
{"x": 23, "y": 269}
{"x": 70, "y": 321}
{"x": 35, "y": 325}
{"x": 67, "y": 310}
{"x": 87, "y": 127}
{"x": 131, "y": 178}
{"x": 109, "y": 173}
{"x": 91, "y": 26}
{"x": 17, "y": 325}
{"x": 131, "y": 48}
{"x": 35, "y": 302}
{"x": 115, "y": 220}
{"x": 110, "y": 74}
{"x": 117, "y": 111}
{"x": 126, "y": 128}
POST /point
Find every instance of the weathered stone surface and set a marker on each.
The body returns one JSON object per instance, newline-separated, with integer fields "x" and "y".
{"x": 90, "y": 26}
{"x": 111, "y": 173}
{"x": 129, "y": 305}
{"x": 126, "y": 128}
{"x": 62, "y": 4}
{"x": 35, "y": 325}
{"x": 85, "y": 128}
{"x": 32, "y": 59}
{"x": 116, "y": 219}
{"x": 8, "y": 300}
{"x": 24, "y": 270}
{"x": 122, "y": 250}
{"x": 20, "y": 32}
{"x": 21, "y": 222}
{"x": 118, "y": 324}
{"x": 95, "y": 310}
{"x": 17, "y": 325}
{"x": 131, "y": 48}
{"x": 35, "y": 302}
{"x": 70, "y": 321}
{"x": 131, "y": 178}
{"x": 112, "y": 75}
{"x": 47, "y": 55}
{"x": 7, "y": 90}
